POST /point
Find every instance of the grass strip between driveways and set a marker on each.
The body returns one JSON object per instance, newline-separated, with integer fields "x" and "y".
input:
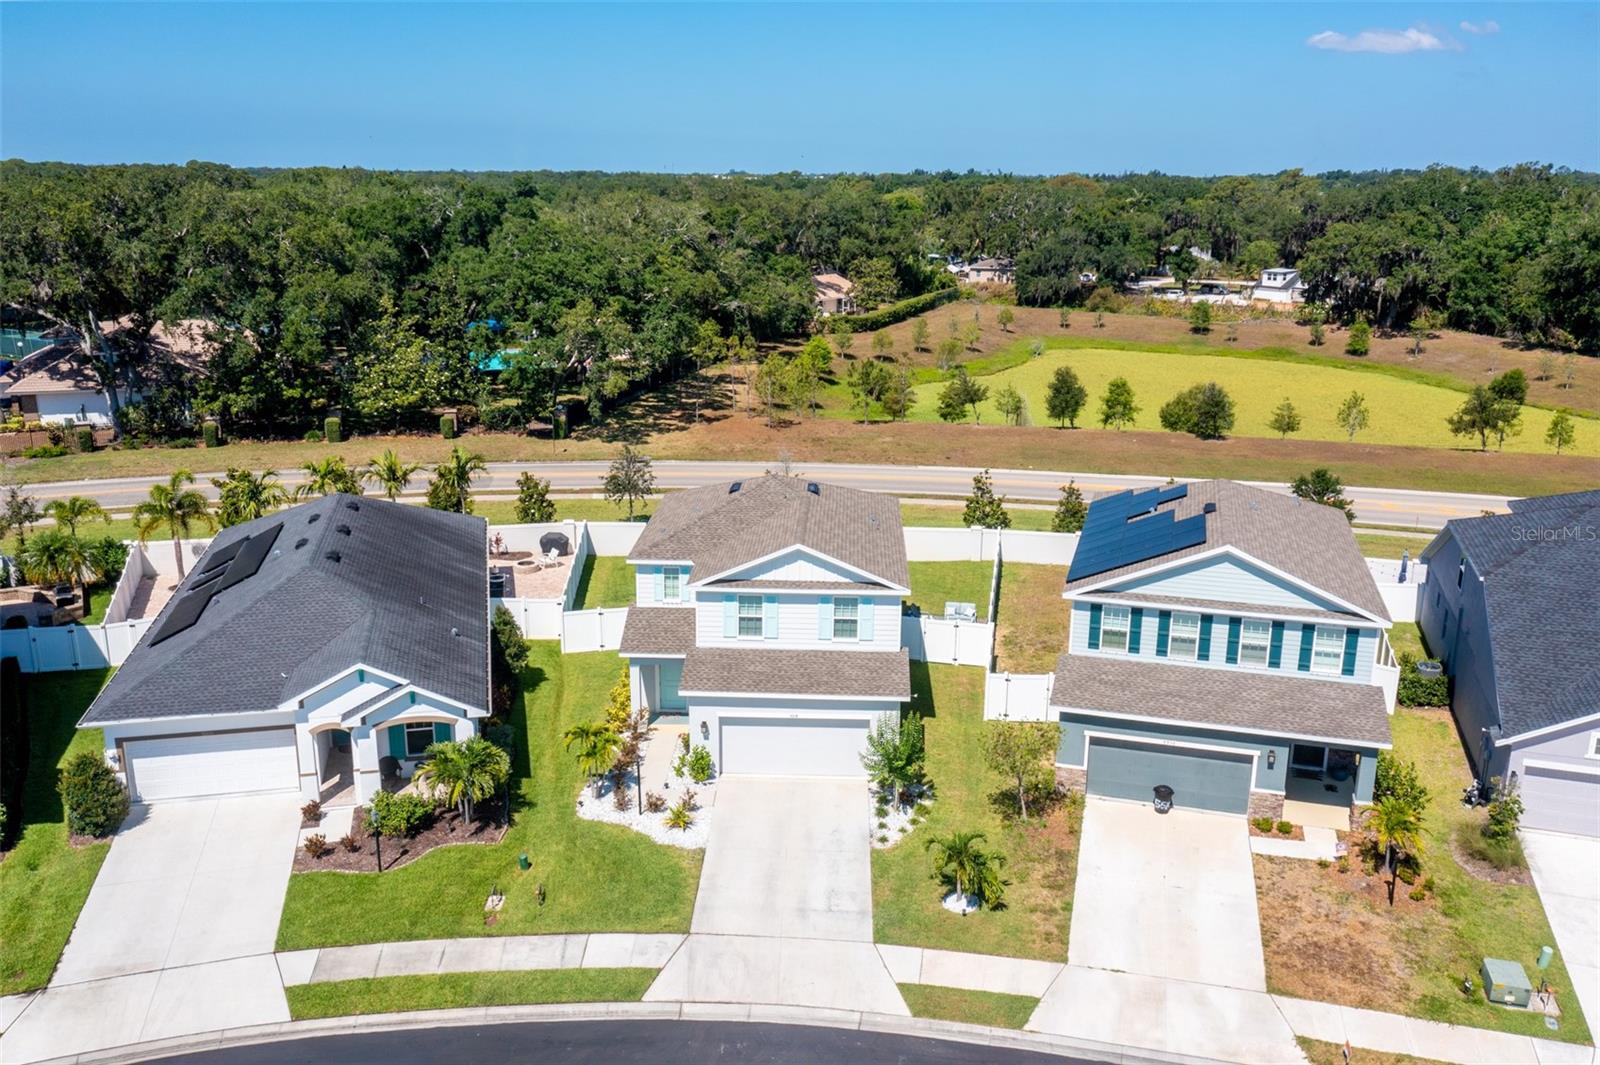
{"x": 597, "y": 877}
{"x": 970, "y": 1007}
{"x": 45, "y": 880}
{"x": 1321, "y": 1053}
{"x": 442, "y": 991}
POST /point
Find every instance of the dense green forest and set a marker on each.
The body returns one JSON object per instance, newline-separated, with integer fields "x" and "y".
{"x": 369, "y": 291}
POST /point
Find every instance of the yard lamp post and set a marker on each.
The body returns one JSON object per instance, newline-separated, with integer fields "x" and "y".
{"x": 377, "y": 842}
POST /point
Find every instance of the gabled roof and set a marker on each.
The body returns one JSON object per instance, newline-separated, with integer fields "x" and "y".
{"x": 1306, "y": 541}
{"x": 775, "y": 671}
{"x": 407, "y": 594}
{"x": 833, "y": 284}
{"x": 1540, "y": 567}
{"x": 717, "y": 529}
{"x": 52, "y": 370}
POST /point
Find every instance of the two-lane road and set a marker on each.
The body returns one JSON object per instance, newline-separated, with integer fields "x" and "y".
{"x": 1389, "y": 506}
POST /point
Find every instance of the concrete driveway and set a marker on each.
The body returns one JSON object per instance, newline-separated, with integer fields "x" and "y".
{"x": 177, "y": 933}
{"x": 788, "y": 857}
{"x": 1566, "y": 870}
{"x": 1170, "y": 895}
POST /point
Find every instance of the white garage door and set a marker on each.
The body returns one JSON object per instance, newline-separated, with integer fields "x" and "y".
{"x": 1560, "y": 800}
{"x": 226, "y": 763}
{"x": 793, "y": 747}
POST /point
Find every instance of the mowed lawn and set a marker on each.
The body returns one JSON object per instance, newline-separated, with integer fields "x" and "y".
{"x": 1041, "y": 853}
{"x": 45, "y": 879}
{"x": 1032, "y": 619}
{"x": 398, "y": 994}
{"x": 606, "y": 581}
{"x": 933, "y": 515}
{"x": 933, "y": 584}
{"x": 597, "y": 877}
{"x": 1402, "y": 412}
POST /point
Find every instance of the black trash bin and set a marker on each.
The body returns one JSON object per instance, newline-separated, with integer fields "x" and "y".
{"x": 1163, "y": 798}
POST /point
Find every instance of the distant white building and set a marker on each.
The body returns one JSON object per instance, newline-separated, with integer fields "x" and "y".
{"x": 834, "y": 294}
{"x": 1280, "y": 284}
{"x": 992, "y": 271}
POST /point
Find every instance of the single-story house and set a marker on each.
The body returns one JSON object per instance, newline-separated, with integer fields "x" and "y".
{"x": 835, "y": 294}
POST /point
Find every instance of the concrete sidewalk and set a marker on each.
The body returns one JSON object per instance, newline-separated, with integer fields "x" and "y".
{"x": 427, "y": 957}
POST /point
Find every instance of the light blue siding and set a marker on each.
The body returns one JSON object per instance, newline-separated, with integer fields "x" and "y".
{"x": 730, "y": 617}
{"x": 867, "y": 613}
{"x": 1200, "y": 780}
{"x": 769, "y": 617}
{"x": 825, "y": 618}
{"x": 1229, "y": 581}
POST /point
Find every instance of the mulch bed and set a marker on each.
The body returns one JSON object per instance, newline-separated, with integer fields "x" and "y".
{"x": 448, "y": 828}
{"x": 1480, "y": 870}
{"x": 1298, "y": 833}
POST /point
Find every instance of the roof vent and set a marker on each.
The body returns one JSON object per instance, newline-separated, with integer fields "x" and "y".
{"x": 735, "y": 486}
{"x": 298, "y": 544}
{"x": 343, "y": 530}
{"x": 351, "y": 504}
{"x": 313, "y": 519}
{"x": 454, "y": 631}
{"x": 813, "y": 488}
{"x": 1210, "y": 508}
{"x": 332, "y": 556}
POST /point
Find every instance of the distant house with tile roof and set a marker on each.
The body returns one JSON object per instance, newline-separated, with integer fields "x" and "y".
{"x": 1511, "y": 606}
{"x": 834, "y": 294}
{"x": 767, "y": 618}
{"x": 1229, "y": 643}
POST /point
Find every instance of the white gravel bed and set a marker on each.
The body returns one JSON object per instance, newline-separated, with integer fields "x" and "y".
{"x": 896, "y": 823}
{"x": 653, "y": 825}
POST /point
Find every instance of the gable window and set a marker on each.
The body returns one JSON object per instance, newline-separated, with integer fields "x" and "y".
{"x": 750, "y": 615}
{"x": 671, "y": 585}
{"x": 1327, "y": 653}
{"x": 419, "y": 736}
{"x": 1255, "y": 642}
{"x": 1594, "y": 745}
{"x": 1184, "y": 639}
{"x": 846, "y": 618}
{"x": 1114, "y": 629}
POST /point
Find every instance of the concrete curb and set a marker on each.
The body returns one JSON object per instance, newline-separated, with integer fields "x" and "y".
{"x": 916, "y": 1027}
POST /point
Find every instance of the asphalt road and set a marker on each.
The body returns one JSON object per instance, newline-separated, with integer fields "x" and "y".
{"x": 1389, "y": 506}
{"x": 621, "y": 1043}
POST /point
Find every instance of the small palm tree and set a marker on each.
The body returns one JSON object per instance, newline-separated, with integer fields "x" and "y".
{"x": 959, "y": 860}
{"x": 177, "y": 509}
{"x": 71, "y": 511}
{"x": 391, "y": 473}
{"x": 247, "y": 496}
{"x": 1397, "y": 823}
{"x": 597, "y": 748}
{"x": 56, "y": 557}
{"x": 451, "y": 488}
{"x": 467, "y": 772}
{"x": 326, "y": 476}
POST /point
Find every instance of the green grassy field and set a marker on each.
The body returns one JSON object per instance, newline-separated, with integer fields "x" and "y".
{"x": 597, "y": 877}
{"x": 397, "y": 994}
{"x": 933, "y": 516}
{"x": 44, "y": 880}
{"x": 1405, "y": 409}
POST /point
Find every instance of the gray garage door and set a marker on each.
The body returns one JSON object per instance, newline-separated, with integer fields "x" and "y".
{"x": 1560, "y": 801}
{"x": 1200, "y": 780}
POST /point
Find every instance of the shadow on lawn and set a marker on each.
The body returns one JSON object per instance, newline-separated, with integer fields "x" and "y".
{"x": 679, "y": 405}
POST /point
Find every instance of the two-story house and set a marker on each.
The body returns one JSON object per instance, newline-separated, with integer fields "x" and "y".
{"x": 1279, "y": 284}
{"x": 1229, "y": 643}
{"x": 1511, "y": 606}
{"x": 767, "y": 615}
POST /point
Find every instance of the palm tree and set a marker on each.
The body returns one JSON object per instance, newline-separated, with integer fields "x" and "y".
{"x": 69, "y": 512}
{"x": 451, "y": 488}
{"x": 247, "y": 496}
{"x": 326, "y": 476}
{"x": 56, "y": 557}
{"x": 391, "y": 473}
{"x": 466, "y": 772}
{"x": 597, "y": 748}
{"x": 175, "y": 508}
{"x": 1396, "y": 824}
{"x": 958, "y": 860}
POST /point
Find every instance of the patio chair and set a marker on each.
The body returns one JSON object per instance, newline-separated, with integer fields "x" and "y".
{"x": 549, "y": 559}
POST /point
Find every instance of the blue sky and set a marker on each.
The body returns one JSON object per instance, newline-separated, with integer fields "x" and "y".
{"x": 1196, "y": 88}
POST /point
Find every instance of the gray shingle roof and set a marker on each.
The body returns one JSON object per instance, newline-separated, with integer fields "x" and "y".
{"x": 874, "y": 674}
{"x": 1231, "y": 698}
{"x": 408, "y": 595}
{"x": 658, "y": 630}
{"x": 1306, "y": 540}
{"x": 717, "y": 530}
{"x": 1540, "y": 567}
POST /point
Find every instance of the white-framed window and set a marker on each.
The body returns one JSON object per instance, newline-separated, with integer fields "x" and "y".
{"x": 750, "y": 619}
{"x": 846, "y": 618}
{"x": 1594, "y": 745}
{"x": 1183, "y": 637}
{"x": 1327, "y": 652}
{"x": 1255, "y": 643}
{"x": 1114, "y": 622}
{"x": 419, "y": 736}
{"x": 671, "y": 584}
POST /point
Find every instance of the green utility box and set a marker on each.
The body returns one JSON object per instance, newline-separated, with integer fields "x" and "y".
{"x": 1505, "y": 983}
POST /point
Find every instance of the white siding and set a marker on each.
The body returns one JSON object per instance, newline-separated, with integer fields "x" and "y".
{"x": 705, "y": 715}
{"x": 1226, "y": 580}
{"x": 1561, "y": 791}
{"x": 797, "y": 624}
{"x": 793, "y": 565}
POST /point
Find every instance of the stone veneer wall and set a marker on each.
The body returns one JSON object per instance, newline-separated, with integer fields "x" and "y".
{"x": 1266, "y": 804}
{"x": 1071, "y": 778}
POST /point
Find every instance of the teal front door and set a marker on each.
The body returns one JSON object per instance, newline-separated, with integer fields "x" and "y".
{"x": 671, "y": 674}
{"x": 1200, "y": 780}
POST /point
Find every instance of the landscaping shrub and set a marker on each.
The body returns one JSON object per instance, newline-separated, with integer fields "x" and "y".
{"x": 533, "y": 500}
{"x": 1505, "y": 811}
{"x": 511, "y": 645}
{"x": 317, "y": 845}
{"x": 1418, "y": 893}
{"x": 1263, "y": 824}
{"x": 1500, "y": 853}
{"x": 181, "y": 442}
{"x": 332, "y": 430}
{"x": 653, "y": 802}
{"x": 349, "y": 842}
{"x": 895, "y": 755}
{"x": 447, "y": 426}
{"x": 1417, "y": 690}
{"x": 44, "y": 451}
{"x": 310, "y": 814}
{"x": 1407, "y": 872}
{"x": 210, "y": 434}
{"x": 313, "y": 436}
{"x": 695, "y": 763}
{"x": 96, "y": 801}
{"x": 85, "y": 439}
{"x": 1398, "y": 779}
{"x": 895, "y": 312}
{"x": 680, "y": 816}
{"x": 619, "y": 704}
{"x": 400, "y": 815}
{"x": 1343, "y": 863}
{"x": 1285, "y": 828}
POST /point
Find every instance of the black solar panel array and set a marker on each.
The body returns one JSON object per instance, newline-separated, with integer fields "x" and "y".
{"x": 242, "y": 558}
{"x": 1127, "y": 527}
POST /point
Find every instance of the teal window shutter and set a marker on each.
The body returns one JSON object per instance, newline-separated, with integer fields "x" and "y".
{"x": 730, "y": 616}
{"x": 865, "y": 612}
{"x": 825, "y": 618}
{"x": 1094, "y": 626}
{"x": 442, "y": 733}
{"x": 1163, "y": 632}
{"x": 769, "y": 618}
{"x": 397, "y": 740}
{"x": 1234, "y": 625}
{"x": 1205, "y": 637}
{"x": 661, "y": 585}
{"x": 1308, "y": 635}
{"x": 1275, "y": 651}
{"x": 1135, "y": 627}
{"x": 1352, "y": 640}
